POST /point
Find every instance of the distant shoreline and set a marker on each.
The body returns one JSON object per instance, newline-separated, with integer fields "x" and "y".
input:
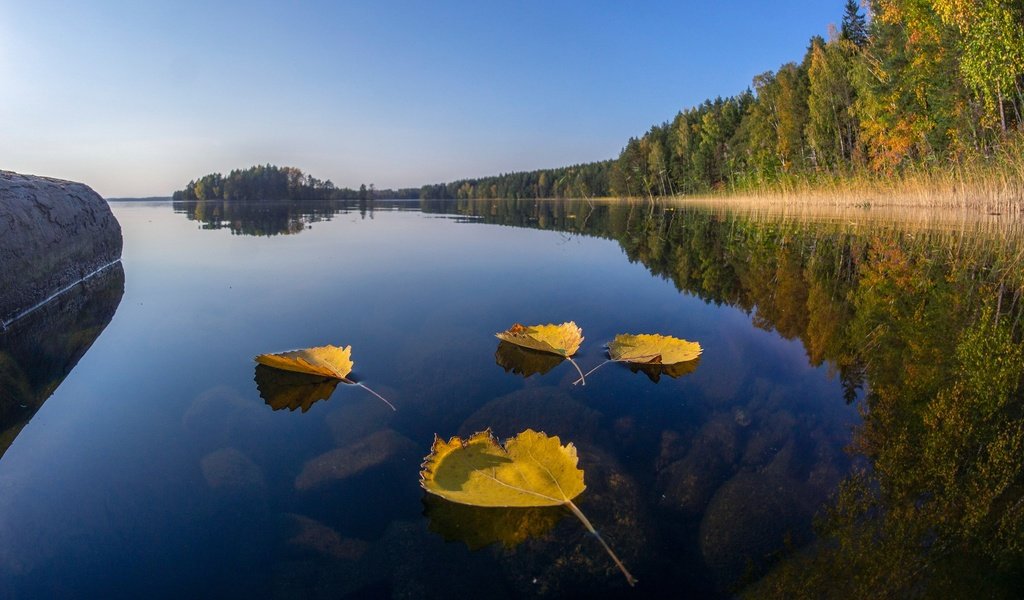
{"x": 146, "y": 199}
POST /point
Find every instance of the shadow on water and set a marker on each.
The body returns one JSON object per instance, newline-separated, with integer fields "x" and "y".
{"x": 40, "y": 350}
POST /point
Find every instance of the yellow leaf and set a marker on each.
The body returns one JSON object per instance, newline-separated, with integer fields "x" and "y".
{"x": 652, "y": 348}
{"x": 326, "y": 361}
{"x": 563, "y": 340}
{"x": 531, "y": 470}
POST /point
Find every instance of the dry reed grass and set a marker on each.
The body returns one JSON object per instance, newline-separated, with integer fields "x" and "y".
{"x": 987, "y": 185}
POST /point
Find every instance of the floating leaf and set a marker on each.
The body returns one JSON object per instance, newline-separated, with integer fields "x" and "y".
{"x": 652, "y": 348}
{"x": 292, "y": 390}
{"x": 523, "y": 361}
{"x": 531, "y": 470}
{"x": 655, "y": 354}
{"x": 326, "y": 361}
{"x": 478, "y": 526}
{"x": 323, "y": 361}
{"x": 561, "y": 340}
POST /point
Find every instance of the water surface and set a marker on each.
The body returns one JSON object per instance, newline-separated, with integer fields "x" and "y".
{"x": 156, "y": 469}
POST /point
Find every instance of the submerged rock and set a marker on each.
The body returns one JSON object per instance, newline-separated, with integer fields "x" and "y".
{"x": 688, "y": 483}
{"x": 750, "y": 521}
{"x": 221, "y": 417}
{"x": 342, "y": 463}
{"x": 229, "y": 470}
{"x": 53, "y": 233}
{"x": 303, "y": 534}
{"x": 546, "y": 409}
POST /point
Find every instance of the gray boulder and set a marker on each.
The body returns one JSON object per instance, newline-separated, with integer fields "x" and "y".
{"x": 53, "y": 233}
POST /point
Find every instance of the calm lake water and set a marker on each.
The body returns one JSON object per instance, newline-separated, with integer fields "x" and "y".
{"x": 836, "y": 355}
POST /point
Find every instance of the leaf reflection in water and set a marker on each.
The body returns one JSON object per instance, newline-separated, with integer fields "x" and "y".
{"x": 291, "y": 390}
{"x": 523, "y": 361}
{"x": 478, "y": 526}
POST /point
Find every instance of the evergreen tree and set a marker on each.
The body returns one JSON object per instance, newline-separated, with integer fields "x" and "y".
{"x": 855, "y": 25}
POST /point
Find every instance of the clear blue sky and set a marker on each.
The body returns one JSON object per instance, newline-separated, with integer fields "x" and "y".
{"x": 137, "y": 97}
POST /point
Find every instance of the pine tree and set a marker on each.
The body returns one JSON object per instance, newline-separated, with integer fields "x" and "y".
{"x": 855, "y": 25}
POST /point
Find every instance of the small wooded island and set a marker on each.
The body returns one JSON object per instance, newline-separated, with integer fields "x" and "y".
{"x": 269, "y": 182}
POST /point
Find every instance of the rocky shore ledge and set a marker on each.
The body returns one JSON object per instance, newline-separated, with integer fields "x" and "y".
{"x": 53, "y": 234}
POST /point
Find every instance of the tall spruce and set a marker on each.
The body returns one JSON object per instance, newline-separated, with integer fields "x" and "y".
{"x": 855, "y": 25}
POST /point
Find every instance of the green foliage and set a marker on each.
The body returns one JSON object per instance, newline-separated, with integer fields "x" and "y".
{"x": 833, "y": 126}
{"x": 577, "y": 181}
{"x": 855, "y": 26}
{"x": 272, "y": 183}
{"x": 927, "y": 83}
{"x": 991, "y": 44}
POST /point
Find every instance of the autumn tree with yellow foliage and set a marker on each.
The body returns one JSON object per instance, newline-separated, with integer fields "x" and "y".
{"x": 925, "y": 85}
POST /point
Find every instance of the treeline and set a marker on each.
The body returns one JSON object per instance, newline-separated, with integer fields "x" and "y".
{"x": 927, "y": 83}
{"x": 269, "y": 182}
{"x": 922, "y": 85}
{"x": 577, "y": 181}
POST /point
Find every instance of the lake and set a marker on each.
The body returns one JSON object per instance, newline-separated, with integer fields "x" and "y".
{"x": 854, "y": 420}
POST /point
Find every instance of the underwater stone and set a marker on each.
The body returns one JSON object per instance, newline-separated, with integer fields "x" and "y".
{"x": 342, "y": 463}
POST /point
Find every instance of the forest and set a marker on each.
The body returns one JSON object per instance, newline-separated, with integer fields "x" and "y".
{"x": 577, "y": 181}
{"x": 900, "y": 87}
{"x": 925, "y": 84}
{"x": 278, "y": 183}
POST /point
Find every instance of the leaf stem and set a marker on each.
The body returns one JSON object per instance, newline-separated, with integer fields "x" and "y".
{"x": 382, "y": 398}
{"x": 578, "y": 370}
{"x": 596, "y": 368}
{"x": 586, "y": 523}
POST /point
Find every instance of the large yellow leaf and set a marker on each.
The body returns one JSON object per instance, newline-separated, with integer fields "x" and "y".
{"x": 652, "y": 348}
{"x": 327, "y": 361}
{"x": 531, "y": 470}
{"x": 563, "y": 340}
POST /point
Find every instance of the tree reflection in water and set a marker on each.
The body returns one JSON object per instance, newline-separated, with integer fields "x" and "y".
{"x": 921, "y": 321}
